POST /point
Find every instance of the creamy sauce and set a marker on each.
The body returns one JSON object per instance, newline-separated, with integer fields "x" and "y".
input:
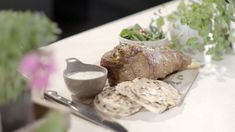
{"x": 86, "y": 75}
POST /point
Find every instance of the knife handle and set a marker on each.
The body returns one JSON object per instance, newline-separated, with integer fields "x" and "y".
{"x": 53, "y": 95}
{"x": 85, "y": 112}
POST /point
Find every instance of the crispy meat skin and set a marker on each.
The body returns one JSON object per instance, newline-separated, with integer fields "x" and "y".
{"x": 127, "y": 62}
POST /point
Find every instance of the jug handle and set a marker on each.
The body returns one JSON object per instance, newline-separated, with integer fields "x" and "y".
{"x": 71, "y": 61}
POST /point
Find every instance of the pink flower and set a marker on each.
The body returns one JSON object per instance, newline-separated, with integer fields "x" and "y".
{"x": 38, "y": 67}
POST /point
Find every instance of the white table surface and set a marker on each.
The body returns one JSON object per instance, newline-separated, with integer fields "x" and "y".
{"x": 209, "y": 106}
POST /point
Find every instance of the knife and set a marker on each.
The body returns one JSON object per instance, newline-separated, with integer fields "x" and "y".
{"x": 183, "y": 80}
{"x": 84, "y": 111}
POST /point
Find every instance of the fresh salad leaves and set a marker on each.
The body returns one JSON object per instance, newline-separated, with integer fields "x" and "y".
{"x": 137, "y": 33}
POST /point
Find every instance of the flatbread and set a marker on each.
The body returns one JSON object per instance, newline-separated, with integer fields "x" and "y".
{"x": 114, "y": 104}
{"x": 154, "y": 95}
{"x": 124, "y": 89}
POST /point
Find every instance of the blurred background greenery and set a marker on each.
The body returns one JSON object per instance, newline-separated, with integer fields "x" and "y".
{"x": 20, "y": 32}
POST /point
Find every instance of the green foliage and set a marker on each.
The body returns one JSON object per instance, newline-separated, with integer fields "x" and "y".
{"x": 137, "y": 33}
{"x": 20, "y": 32}
{"x": 54, "y": 123}
{"x": 160, "y": 22}
{"x": 212, "y": 19}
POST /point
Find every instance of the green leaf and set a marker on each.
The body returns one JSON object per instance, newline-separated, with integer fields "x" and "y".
{"x": 160, "y": 22}
{"x": 136, "y": 27}
{"x": 125, "y": 33}
{"x": 172, "y": 17}
{"x": 54, "y": 122}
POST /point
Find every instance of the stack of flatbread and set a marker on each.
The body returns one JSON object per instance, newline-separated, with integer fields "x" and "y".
{"x": 129, "y": 97}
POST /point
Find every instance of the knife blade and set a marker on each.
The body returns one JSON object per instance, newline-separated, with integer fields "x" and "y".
{"x": 84, "y": 111}
{"x": 183, "y": 80}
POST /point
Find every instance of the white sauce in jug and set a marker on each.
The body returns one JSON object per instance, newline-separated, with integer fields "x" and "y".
{"x": 86, "y": 75}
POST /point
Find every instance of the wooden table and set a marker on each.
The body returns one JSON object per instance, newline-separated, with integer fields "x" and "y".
{"x": 209, "y": 106}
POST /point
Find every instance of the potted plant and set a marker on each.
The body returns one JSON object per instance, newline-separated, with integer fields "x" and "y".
{"x": 48, "y": 117}
{"x": 23, "y": 68}
{"x": 203, "y": 25}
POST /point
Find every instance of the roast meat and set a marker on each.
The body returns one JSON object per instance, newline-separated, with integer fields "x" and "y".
{"x": 127, "y": 62}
